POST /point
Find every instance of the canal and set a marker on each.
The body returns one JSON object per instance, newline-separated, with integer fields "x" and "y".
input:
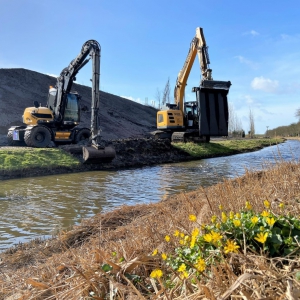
{"x": 41, "y": 206}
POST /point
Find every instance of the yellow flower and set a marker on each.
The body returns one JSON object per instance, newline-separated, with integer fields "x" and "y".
{"x": 254, "y": 220}
{"x": 231, "y": 215}
{"x": 224, "y": 217}
{"x": 182, "y": 268}
{"x": 192, "y": 218}
{"x": 261, "y": 237}
{"x": 200, "y": 265}
{"x": 267, "y": 204}
{"x": 164, "y": 256}
{"x": 281, "y": 205}
{"x": 156, "y": 273}
{"x": 195, "y": 232}
{"x": 238, "y": 215}
{"x": 248, "y": 205}
{"x": 182, "y": 235}
{"x": 218, "y": 225}
{"x": 167, "y": 238}
{"x": 213, "y": 219}
{"x": 270, "y": 221}
{"x": 262, "y": 228}
{"x": 265, "y": 214}
{"x": 193, "y": 241}
{"x": 181, "y": 242}
{"x": 176, "y": 233}
{"x": 231, "y": 246}
{"x": 221, "y": 207}
{"x": 237, "y": 223}
{"x": 155, "y": 251}
{"x": 186, "y": 238}
{"x": 184, "y": 274}
{"x": 207, "y": 237}
{"x": 215, "y": 236}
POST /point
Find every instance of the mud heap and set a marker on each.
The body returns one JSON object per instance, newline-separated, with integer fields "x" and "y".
{"x": 119, "y": 117}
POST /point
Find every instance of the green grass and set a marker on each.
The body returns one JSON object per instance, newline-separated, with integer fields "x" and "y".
{"x": 225, "y": 147}
{"x": 26, "y": 158}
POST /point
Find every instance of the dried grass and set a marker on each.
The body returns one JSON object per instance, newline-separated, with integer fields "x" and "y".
{"x": 69, "y": 266}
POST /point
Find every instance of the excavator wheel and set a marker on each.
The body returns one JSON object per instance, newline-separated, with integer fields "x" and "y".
{"x": 12, "y": 142}
{"x": 82, "y": 135}
{"x": 38, "y": 136}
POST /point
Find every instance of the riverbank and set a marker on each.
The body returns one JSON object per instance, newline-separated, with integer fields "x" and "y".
{"x": 19, "y": 162}
{"x": 113, "y": 254}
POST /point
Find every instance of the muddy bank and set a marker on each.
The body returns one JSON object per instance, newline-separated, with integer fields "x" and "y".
{"x": 129, "y": 153}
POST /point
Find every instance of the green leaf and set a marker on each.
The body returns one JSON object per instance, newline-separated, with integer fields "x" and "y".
{"x": 106, "y": 267}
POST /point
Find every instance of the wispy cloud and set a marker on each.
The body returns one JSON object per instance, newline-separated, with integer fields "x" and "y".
{"x": 265, "y": 84}
{"x": 251, "y": 32}
{"x": 138, "y": 100}
{"x": 248, "y": 62}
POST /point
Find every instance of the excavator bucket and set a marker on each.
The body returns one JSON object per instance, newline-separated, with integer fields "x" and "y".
{"x": 213, "y": 107}
{"x": 92, "y": 155}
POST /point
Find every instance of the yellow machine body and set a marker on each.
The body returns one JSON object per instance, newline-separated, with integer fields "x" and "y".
{"x": 62, "y": 135}
{"x": 170, "y": 119}
{"x": 32, "y": 115}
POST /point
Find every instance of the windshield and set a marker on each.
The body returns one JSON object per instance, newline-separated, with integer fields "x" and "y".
{"x": 71, "y": 111}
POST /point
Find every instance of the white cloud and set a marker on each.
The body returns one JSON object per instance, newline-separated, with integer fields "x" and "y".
{"x": 265, "y": 84}
{"x": 248, "y": 62}
{"x": 138, "y": 100}
{"x": 52, "y": 75}
{"x": 251, "y": 32}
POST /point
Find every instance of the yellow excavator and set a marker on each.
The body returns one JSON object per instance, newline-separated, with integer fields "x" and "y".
{"x": 59, "y": 121}
{"x": 195, "y": 120}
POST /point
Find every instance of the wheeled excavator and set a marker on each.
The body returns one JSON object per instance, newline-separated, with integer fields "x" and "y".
{"x": 59, "y": 121}
{"x": 195, "y": 120}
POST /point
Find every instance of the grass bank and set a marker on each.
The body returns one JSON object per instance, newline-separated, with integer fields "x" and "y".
{"x": 225, "y": 147}
{"x": 235, "y": 240}
{"x": 16, "y": 158}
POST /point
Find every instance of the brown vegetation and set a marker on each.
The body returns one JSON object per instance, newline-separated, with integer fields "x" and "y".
{"x": 72, "y": 266}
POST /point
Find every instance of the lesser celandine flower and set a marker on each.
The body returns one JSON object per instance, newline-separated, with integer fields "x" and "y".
{"x": 213, "y": 219}
{"x": 231, "y": 246}
{"x": 267, "y": 204}
{"x": 184, "y": 274}
{"x": 236, "y": 223}
{"x": 254, "y": 220}
{"x": 176, "y": 233}
{"x": 221, "y": 207}
{"x": 231, "y": 215}
{"x": 224, "y": 217}
{"x": 193, "y": 241}
{"x": 181, "y": 242}
{"x": 200, "y": 265}
{"x": 281, "y": 205}
{"x": 195, "y": 232}
{"x": 215, "y": 236}
{"x": 156, "y": 273}
{"x": 164, "y": 256}
{"x": 182, "y": 235}
{"x": 182, "y": 268}
{"x": 192, "y": 218}
{"x": 167, "y": 238}
{"x": 207, "y": 237}
{"x": 270, "y": 221}
{"x": 265, "y": 214}
{"x": 248, "y": 205}
{"x": 218, "y": 225}
{"x": 155, "y": 251}
{"x": 238, "y": 215}
{"x": 261, "y": 237}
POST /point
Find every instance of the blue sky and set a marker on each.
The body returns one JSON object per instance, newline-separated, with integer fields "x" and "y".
{"x": 254, "y": 44}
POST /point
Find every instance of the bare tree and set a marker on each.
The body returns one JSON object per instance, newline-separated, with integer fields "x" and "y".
{"x": 166, "y": 93}
{"x": 297, "y": 114}
{"x": 158, "y": 97}
{"x": 251, "y": 124}
{"x": 234, "y": 123}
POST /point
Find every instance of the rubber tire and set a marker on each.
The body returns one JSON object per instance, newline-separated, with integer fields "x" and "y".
{"x": 38, "y": 137}
{"x": 82, "y": 135}
{"x": 12, "y": 142}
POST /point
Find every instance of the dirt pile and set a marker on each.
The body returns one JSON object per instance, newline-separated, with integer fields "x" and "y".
{"x": 119, "y": 117}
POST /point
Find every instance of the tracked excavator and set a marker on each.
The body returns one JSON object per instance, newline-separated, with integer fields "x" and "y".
{"x": 196, "y": 120}
{"x": 59, "y": 121}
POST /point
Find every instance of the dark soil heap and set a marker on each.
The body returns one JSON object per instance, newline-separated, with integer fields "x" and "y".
{"x": 119, "y": 117}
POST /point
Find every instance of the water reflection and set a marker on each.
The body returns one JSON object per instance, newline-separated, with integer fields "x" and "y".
{"x": 38, "y": 207}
